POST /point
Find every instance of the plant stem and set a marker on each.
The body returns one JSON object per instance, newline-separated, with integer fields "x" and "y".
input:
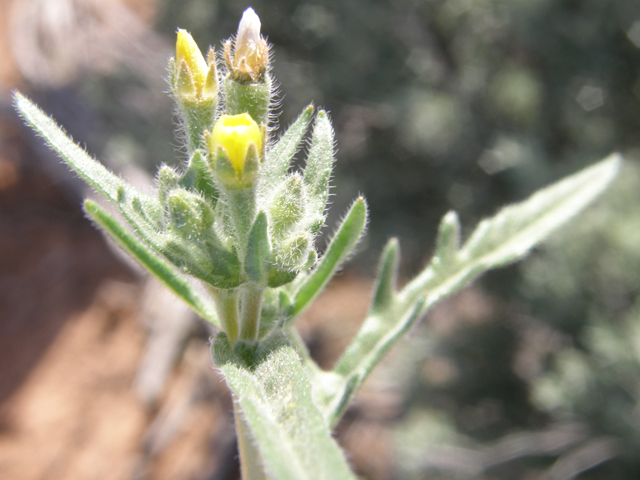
{"x": 250, "y": 314}
{"x": 250, "y": 462}
{"x": 227, "y": 305}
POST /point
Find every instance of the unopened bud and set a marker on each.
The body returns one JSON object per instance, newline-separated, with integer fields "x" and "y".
{"x": 235, "y": 135}
{"x": 189, "y": 213}
{"x": 251, "y": 53}
{"x": 287, "y": 207}
{"x": 294, "y": 252}
{"x": 193, "y": 77}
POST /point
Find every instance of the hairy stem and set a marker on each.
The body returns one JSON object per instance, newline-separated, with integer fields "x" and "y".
{"x": 250, "y": 314}
{"x": 227, "y": 306}
{"x": 250, "y": 462}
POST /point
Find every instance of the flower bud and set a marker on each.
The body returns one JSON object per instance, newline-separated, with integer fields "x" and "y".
{"x": 193, "y": 76}
{"x": 234, "y": 135}
{"x": 287, "y": 207}
{"x": 189, "y": 213}
{"x": 293, "y": 252}
{"x": 251, "y": 53}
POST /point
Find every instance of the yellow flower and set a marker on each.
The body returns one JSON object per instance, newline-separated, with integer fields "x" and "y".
{"x": 187, "y": 51}
{"x": 235, "y": 134}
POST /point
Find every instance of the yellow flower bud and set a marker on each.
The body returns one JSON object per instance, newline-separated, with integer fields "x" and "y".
{"x": 188, "y": 56}
{"x": 235, "y": 134}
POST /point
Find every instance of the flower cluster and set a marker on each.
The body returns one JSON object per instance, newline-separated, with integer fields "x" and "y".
{"x": 235, "y": 217}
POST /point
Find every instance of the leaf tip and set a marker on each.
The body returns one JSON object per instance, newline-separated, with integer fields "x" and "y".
{"x": 613, "y": 163}
{"x": 89, "y": 206}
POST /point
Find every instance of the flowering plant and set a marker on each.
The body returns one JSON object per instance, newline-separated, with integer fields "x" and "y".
{"x": 236, "y": 221}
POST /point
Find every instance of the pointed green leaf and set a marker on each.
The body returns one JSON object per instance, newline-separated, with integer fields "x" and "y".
{"x": 385, "y": 291}
{"x": 378, "y": 334}
{"x": 447, "y": 242}
{"x": 89, "y": 169}
{"x": 198, "y": 177}
{"x": 256, "y": 263}
{"x": 319, "y": 164}
{"x": 274, "y": 397}
{"x": 279, "y": 157}
{"x": 511, "y": 233}
{"x": 154, "y": 264}
{"x": 339, "y": 249}
{"x": 497, "y": 241}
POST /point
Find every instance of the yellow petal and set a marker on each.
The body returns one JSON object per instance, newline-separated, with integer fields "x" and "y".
{"x": 235, "y": 134}
{"x": 187, "y": 50}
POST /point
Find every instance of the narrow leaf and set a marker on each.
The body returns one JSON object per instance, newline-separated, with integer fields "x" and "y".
{"x": 497, "y": 241}
{"x": 89, "y": 169}
{"x": 319, "y": 163}
{"x": 448, "y": 241}
{"x": 385, "y": 291}
{"x": 256, "y": 263}
{"x": 511, "y": 233}
{"x": 154, "y": 264}
{"x": 198, "y": 177}
{"x": 280, "y": 155}
{"x": 339, "y": 249}
{"x": 276, "y": 403}
{"x": 361, "y": 357}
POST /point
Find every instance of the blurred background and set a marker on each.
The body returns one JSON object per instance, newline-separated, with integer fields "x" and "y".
{"x": 531, "y": 373}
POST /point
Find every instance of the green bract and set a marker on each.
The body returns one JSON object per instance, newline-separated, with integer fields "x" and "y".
{"x": 236, "y": 220}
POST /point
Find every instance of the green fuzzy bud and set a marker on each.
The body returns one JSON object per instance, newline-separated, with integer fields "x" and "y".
{"x": 287, "y": 207}
{"x": 188, "y": 213}
{"x": 166, "y": 180}
{"x": 293, "y": 252}
{"x": 198, "y": 178}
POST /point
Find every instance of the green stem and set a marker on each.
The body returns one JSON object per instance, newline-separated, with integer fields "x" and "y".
{"x": 250, "y": 314}
{"x": 227, "y": 306}
{"x": 198, "y": 116}
{"x": 250, "y": 462}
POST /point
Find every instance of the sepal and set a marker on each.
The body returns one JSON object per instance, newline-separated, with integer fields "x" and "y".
{"x": 166, "y": 180}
